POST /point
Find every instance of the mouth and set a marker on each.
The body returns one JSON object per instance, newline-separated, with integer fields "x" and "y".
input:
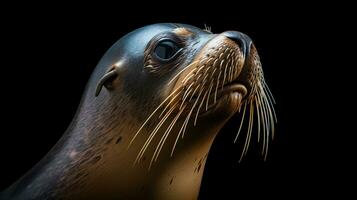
{"x": 228, "y": 99}
{"x": 233, "y": 88}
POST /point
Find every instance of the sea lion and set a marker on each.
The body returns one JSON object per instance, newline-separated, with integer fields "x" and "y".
{"x": 149, "y": 115}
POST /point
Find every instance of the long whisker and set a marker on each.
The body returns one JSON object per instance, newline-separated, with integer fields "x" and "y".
{"x": 202, "y": 88}
{"x": 168, "y": 104}
{"x": 151, "y": 115}
{"x": 268, "y": 120}
{"x": 268, "y": 89}
{"x": 241, "y": 123}
{"x": 152, "y": 135}
{"x": 194, "y": 92}
{"x": 217, "y": 85}
{"x": 233, "y": 66}
{"x": 189, "y": 114}
{"x": 246, "y": 137}
{"x": 177, "y": 137}
{"x": 225, "y": 72}
{"x": 209, "y": 93}
{"x": 258, "y": 116}
{"x": 184, "y": 69}
{"x": 186, "y": 94}
{"x": 195, "y": 71}
{"x": 184, "y": 125}
{"x": 270, "y": 115}
{"x": 271, "y": 102}
{"x": 268, "y": 112}
{"x": 231, "y": 70}
{"x": 187, "y": 78}
{"x": 249, "y": 132}
{"x": 263, "y": 115}
{"x": 251, "y": 126}
{"x": 164, "y": 137}
{"x": 199, "y": 107}
{"x": 267, "y": 93}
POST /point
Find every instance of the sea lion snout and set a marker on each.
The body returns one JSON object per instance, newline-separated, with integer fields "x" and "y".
{"x": 243, "y": 41}
{"x": 251, "y": 71}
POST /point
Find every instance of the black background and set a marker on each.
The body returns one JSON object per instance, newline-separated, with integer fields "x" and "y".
{"x": 49, "y": 53}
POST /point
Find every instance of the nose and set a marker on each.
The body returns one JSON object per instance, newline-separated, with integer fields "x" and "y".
{"x": 241, "y": 39}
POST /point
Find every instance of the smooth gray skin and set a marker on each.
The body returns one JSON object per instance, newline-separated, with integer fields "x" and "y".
{"x": 131, "y": 55}
{"x": 113, "y": 116}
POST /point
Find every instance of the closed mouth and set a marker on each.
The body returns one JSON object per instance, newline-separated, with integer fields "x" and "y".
{"x": 238, "y": 90}
{"x": 233, "y": 87}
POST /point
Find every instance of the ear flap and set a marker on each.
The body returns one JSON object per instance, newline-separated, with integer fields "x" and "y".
{"x": 107, "y": 80}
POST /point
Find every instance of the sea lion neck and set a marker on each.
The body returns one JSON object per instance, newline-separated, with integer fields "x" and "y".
{"x": 170, "y": 177}
{"x": 80, "y": 148}
{"x": 92, "y": 160}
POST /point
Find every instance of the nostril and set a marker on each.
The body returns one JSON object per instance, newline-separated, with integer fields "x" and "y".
{"x": 237, "y": 40}
{"x": 241, "y": 39}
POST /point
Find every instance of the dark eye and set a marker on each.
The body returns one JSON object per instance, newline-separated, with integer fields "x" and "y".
{"x": 166, "y": 49}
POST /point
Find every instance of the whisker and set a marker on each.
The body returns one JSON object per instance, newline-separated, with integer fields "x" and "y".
{"x": 217, "y": 85}
{"x": 212, "y": 74}
{"x": 248, "y": 133}
{"x": 177, "y": 137}
{"x": 268, "y": 89}
{"x": 270, "y": 107}
{"x": 189, "y": 114}
{"x": 225, "y": 73}
{"x": 272, "y": 102}
{"x": 267, "y": 125}
{"x": 220, "y": 65}
{"x": 231, "y": 69}
{"x": 262, "y": 114}
{"x": 271, "y": 121}
{"x": 267, "y": 108}
{"x": 199, "y": 107}
{"x": 209, "y": 93}
{"x": 194, "y": 92}
{"x": 184, "y": 69}
{"x": 234, "y": 64}
{"x": 229, "y": 73}
{"x": 202, "y": 67}
{"x": 264, "y": 119}
{"x": 187, "y": 78}
{"x": 202, "y": 88}
{"x": 153, "y": 133}
{"x": 251, "y": 126}
{"x": 150, "y": 116}
{"x": 187, "y": 92}
{"x": 164, "y": 137}
{"x": 184, "y": 125}
{"x": 241, "y": 123}
{"x": 215, "y": 62}
{"x": 168, "y": 104}
{"x": 267, "y": 121}
{"x": 209, "y": 60}
{"x": 270, "y": 114}
{"x": 258, "y": 116}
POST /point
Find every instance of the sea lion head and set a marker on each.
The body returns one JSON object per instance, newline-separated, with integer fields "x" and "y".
{"x": 186, "y": 82}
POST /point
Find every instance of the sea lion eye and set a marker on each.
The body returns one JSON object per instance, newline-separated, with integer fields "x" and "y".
{"x": 166, "y": 49}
